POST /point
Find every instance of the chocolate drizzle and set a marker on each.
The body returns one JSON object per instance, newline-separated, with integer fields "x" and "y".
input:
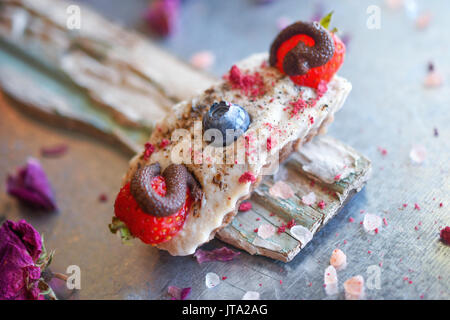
{"x": 301, "y": 58}
{"x": 177, "y": 178}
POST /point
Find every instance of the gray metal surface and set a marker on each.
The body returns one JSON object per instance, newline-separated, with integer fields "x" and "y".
{"x": 388, "y": 108}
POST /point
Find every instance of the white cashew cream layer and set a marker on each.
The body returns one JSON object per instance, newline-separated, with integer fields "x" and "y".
{"x": 270, "y": 114}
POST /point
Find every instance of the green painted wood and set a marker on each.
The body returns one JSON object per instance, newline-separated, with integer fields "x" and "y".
{"x": 267, "y": 209}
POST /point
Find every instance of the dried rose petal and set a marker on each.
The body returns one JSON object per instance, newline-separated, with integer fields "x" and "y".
{"x": 445, "y": 235}
{"x": 162, "y": 15}
{"x": 179, "y": 293}
{"x": 281, "y": 190}
{"x": 338, "y": 259}
{"x": 30, "y": 185}
{"x": 354, "y": 288}
{"x": 222, "y": 254}
{"x": 20, "y": 248}
{"x": 54, "y": 151}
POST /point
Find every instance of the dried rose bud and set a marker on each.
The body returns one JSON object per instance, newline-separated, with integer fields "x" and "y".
{"x": 162, "y": 15}
{"x": 445, "y": 235}
{"x": 20, "y": 249}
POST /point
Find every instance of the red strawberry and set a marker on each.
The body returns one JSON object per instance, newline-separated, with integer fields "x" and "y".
{"x": 314, "y": 75}
{"x": 150, "y": 229}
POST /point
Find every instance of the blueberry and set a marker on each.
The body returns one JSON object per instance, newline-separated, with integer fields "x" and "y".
{"x": 225, "y": 116}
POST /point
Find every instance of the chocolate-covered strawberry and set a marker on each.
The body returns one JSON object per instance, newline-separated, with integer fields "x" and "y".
{"x": 308, "y": 53}
{"x": 154, "y": 207}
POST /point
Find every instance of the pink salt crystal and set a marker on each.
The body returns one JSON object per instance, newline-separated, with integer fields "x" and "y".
{"x": 302, "y": 234}
{"x": 338, "y": 259}
{"x": 394, "y": 4}
{"x": 330, "y": 281}
{"x": 371, "y": 222}
{"x": 309, "y": 199}
{"x": 203, "y": 59}
{"x": 433, "y": 79}
{"x": 281, "y": 190}
{"x": 354, "y": 288}
{"x": 251, "y": 295}
{"x": 423, "y": 20}
{"x": 266, "y": 231}
{"x": 418, "y": 154}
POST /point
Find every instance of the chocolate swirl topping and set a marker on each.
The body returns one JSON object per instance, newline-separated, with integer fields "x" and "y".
{"x": 302, "y": 57}
{"x": 177, "y": 178}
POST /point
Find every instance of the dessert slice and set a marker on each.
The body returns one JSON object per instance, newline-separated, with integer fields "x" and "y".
{"x": 211, "y": 152}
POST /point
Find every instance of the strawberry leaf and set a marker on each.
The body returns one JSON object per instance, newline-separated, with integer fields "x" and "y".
{"x": 124, "y": 232}
{"x": 325, "y": 21}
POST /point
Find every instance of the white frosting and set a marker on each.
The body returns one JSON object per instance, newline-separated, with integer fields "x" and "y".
{"x": 265, "y": 109}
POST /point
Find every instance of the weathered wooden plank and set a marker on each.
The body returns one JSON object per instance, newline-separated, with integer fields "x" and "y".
{"x": 119, "y": 69}
{"x": 57, "y": 102}
{"x": 299, "y": 175}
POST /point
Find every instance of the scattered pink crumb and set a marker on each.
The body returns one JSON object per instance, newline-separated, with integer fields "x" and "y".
{"x": 245, "y": 206}
{"x": 321, "y": 204}
{"x": 382, "y": 151}
{"x": 290, "y": 224}
{"x": 385, "y": 221}
{"x": 247, "y": 177}
{"x": 351, "y": 219}
{"x": 416, "y": 206}
{"x": 103, "y": 197}
{"x": 337, "y": 177}
{"x": 164, "y": 143}
{"x": 149, "y": 149}
{"x": 224, "y": 278}
{"x": 405, "y": 205}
